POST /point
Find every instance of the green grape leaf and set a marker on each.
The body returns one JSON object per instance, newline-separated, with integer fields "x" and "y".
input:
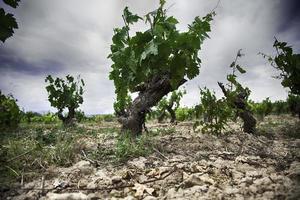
{"x": 150, "y": 49}
{"x": 240, "y": 69}
{"x": 8, "y": 23}
{"x": 129, "y": 17}
{"x": 12, "y": 3}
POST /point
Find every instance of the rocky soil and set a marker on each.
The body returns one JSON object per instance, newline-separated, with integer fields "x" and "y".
{"x": 184, "y": 165}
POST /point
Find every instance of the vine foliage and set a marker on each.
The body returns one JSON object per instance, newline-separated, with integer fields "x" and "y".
{"x": 215, "y": 113}
{"x": 65, "y": 94}
{"x": 10, "y": 114}
{"x": 288, "y": 63}
{"x": 7, "y": 20}
{"x": 237, "y": 96}
{"x": 158, "y": 58}
{"x": 170, "y": 105}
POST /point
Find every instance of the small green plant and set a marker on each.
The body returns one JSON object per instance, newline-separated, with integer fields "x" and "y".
{"x": 128, "y": 147}
{"x": 10, "y": 114}
{"x": 65, "y": 94}
{"x": 263, "y": 108}
{"x": 185, "y": 113}
{"x": 29, "y": 116}
{"x": 49, "y": 118}
{"x": 169, "y": 105}
{"x": 215, "y": 112}
{"x": 45, "y": 138}
{"x": 293, "y": 102}
{"x": 237, "y": 96}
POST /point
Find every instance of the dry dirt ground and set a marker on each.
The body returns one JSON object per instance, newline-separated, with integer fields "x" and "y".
{"x": 183, "y": 165}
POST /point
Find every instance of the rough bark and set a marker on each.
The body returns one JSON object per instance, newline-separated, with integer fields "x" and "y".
{"x": 172, "y": 114}
{"x": 149, "y": 95}
{"x": 69, "y": 120}
{"x": 244, "y": 113}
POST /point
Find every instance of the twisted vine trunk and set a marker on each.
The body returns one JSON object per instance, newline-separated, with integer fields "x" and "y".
{"x": 172, "y": 113}
{"x": 150, "y": 93}
{"x": 69, "y": 120}
{"x": 244, "y": 113}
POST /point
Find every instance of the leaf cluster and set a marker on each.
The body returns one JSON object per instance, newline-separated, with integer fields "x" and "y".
{"x": 185, "y": 113}
{"x": 215, "y": 113}
{"x": 234, "y": 87}
{"x": 7, "y": 20}
{"x": 263, "y": 108}
{"x": 65, "y": 93}
{"x": 234, "y": 91}
{"x": 288, "y": 63}
{"x": 10, "y": 114}
{"x": 159, "y": 50}
{"x": 171, "y": 102}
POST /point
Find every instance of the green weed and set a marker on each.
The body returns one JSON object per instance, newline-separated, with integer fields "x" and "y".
{"x": 128, "y": 147}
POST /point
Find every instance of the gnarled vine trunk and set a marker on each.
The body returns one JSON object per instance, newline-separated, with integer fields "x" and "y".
{"x": 150, "y": 93}
{"x": 244, "y": 113}
{"x": 69, "y": 120}
{"x": 172, "y": 113}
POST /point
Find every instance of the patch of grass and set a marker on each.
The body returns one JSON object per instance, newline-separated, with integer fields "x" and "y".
{"x": 291, "y": 130}
{"x": 33, "y": 149}
{"x": 128, "y": 147}
{"x": 102, "y": 153}
{"x": 62, "y": 154}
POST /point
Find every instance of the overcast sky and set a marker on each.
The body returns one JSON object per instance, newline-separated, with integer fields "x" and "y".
{"x": 74, "y": 36}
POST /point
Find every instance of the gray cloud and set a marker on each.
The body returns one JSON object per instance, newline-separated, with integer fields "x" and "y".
{"x": 74, "y": 36}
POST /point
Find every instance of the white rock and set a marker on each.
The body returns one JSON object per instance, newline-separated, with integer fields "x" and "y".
{"x": 150, "y": 198}
{"x": 84, "y": 167}
{"x": 138, "y": 163}
{"x": 66, "y": 196}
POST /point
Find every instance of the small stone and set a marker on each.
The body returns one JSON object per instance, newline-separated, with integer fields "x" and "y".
{"x": 115, "y": 193}
{"x": 231, "y": 190}
{"x": 138, "y": 163}
{"x": 268, "y": 195}
{"x": 91, "y": 185}
{"x": 84, "y": 167}
{"x": 253, "y": 189}
{"x": 82, "y": 183}
{"x": 64, "y": 196}
{"x": 263, "y": 181}
{"x": 150, "y": 198}
{"x": 116, "y": 179}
